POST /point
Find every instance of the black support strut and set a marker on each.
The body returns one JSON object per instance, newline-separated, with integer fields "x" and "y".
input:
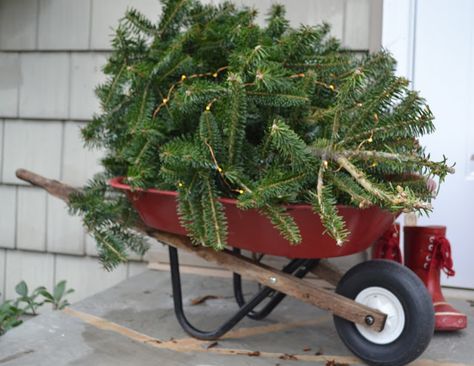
{"x": 298, "y": 267}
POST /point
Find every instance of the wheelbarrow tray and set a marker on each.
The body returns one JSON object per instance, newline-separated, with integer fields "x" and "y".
{"x": 250, "y": 230}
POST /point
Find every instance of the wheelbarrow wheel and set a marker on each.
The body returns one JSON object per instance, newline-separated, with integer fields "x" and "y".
{"x": 398, "y": 292}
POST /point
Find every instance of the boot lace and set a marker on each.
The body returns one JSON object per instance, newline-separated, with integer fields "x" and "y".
{"x": 391, "y": 245}
{"x": 442, "y": 251}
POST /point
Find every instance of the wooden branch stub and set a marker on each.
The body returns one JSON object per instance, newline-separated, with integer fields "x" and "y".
{"x": 277, "y": 280}
{"x": 53, "y": 187}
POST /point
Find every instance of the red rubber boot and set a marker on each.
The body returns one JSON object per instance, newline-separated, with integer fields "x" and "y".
{"x": 388, "y": 245}
{"x": 427, "y": 252}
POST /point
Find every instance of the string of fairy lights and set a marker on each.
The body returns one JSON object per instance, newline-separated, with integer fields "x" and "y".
{"x": 260, "y": 76}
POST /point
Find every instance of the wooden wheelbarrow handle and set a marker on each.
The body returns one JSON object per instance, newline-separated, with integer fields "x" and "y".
{"x": 268, "y": 276}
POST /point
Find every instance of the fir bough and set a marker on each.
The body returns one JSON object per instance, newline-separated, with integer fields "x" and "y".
{"x": 209, "y": 104}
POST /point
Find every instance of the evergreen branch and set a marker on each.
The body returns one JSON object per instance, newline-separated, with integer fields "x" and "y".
{"x": 395, "y": 201}
{"x": 190, "y": 210}
{"x": 140, "y": 22}
{"x": 257, "y": 54}
{"x": 210, "y": 134}
{"x": 384, "y": 96}
{"x": 289, "y": 145}
{"x": 278, "y": 99}
{"x": 324, "y": 204}
{"x": 345, "y": 184}
{"x": 277, "y": 24}
{"x": 439, "y": 168}
{"x": 393, "y": 129}
{"x": 174, "y": 69}
{"x": 104, "y": 240}
{"x": 214, "y": 218}
{"x": 113, "y": 85}
{"x": 108, "y": 220}
{"x": 270, "y": 188}
{"x": 283, "y": 222}
{"x": 279, "y": 95}
{"x": 360, "y": 178}
{"x": 237, "y": 121}
{"x": 170, "y": 12}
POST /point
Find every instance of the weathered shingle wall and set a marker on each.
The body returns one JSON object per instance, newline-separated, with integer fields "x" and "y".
{"x": 51, "y": 53}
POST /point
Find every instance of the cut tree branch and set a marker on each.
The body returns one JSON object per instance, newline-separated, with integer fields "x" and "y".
{"x": 377, "y": 192}
{"x": 379, "y": 156}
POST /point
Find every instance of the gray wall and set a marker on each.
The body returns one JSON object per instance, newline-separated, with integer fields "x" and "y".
{"x": 51, "y": 53}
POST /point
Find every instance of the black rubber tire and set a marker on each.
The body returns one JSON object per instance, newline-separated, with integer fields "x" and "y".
{"x": 416, "y": 303}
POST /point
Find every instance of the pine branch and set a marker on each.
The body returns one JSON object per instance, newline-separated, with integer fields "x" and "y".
{"x": 210, "y": 134}
{"x": 272, "y": 187}
{"x": 190, "y": 210}
{"x": 278, "y": 100}
{"x": 289, "y": 145}
{"x": 237, "y": 122}
{"x": 172, "y": 10}
{"x": 140, "y": 22}
{"x": 214, "y": 219}
{"x": 345, "y": 184}
{"x": 324, "y": 204}
{"x": 277, "y": 24}
{"x": 438, "y": 168}
{"x": 283, "y": 222}
{"x": 394, "y": 201}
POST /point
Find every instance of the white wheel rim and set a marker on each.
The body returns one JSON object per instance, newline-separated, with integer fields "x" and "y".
{"x": 386, "y": 302}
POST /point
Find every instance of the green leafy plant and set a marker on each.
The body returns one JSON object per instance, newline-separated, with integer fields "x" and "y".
{"x": 29, "y": 300}
{"x": 9, "y": 316}
{"x": 57, "y": 298}
{"x": 26, "y": 303}
{"x": 209, "y": 104}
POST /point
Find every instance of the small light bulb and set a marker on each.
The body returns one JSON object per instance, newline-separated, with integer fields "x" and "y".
{"x": 165, "y": 100}
{"x": 325, "y": 163}
{"x": 215, "y": 74}
{"x": 370, "y": 139}
{"x": 183, "y": 77}
{"x": 241, "y": 191}
{"x": 219, "y": 169}
{"x": 208, "y": 107}
{"x": 332, "y": 87}
{"x": 180, "y": 184}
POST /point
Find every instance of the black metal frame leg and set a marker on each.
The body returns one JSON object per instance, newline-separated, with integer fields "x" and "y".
{"x": 301, "y": 266}
{"x": 178, "y": 305}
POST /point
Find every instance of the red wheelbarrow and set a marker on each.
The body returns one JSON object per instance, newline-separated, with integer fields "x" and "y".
{"x": 382, "y": 311}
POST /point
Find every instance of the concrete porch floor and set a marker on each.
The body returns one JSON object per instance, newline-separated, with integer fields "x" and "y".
{"x": 133, "y": 323}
